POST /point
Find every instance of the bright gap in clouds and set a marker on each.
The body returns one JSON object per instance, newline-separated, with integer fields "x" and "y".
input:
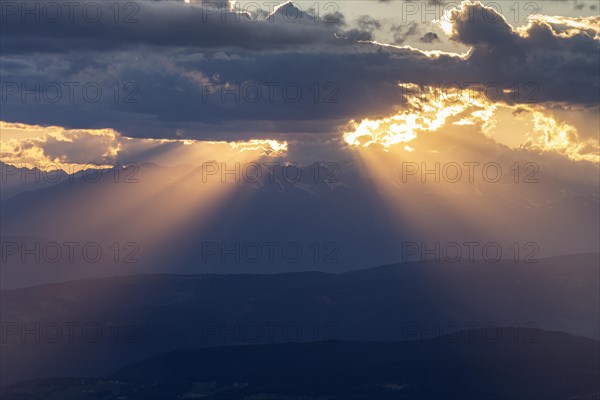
{"x": 433, "y": 109}
{"x": 53, "y": 147}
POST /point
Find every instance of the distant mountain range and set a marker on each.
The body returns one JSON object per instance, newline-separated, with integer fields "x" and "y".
{"x": 340, "y": 218}
{"x": 555, "y": 367}
{"x": 18, "y": 179}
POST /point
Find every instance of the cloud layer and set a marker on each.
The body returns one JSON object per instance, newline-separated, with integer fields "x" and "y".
{"x": 176, "y": 70}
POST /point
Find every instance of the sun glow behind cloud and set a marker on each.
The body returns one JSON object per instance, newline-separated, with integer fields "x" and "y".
{"x": 427, "y": 111}
{"x": 431, "y": 110}
{"x": 552, "y": 135}
{"x": 54, "y": 147}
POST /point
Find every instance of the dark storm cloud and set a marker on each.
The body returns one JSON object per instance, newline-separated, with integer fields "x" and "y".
{"x": 33, "y": 26}
{"x": 559, "y": 57}
{"x": 254, "y": 79}
{"x": 335, "y": 87}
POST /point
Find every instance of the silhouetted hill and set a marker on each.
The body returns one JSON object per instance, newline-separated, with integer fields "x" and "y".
{"x": 142, "y": 316}
{"x": 506, "y": 364}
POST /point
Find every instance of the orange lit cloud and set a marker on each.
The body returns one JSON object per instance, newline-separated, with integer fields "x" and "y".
{"x": 55, "y": 147}
{"x": 433, "y": 111}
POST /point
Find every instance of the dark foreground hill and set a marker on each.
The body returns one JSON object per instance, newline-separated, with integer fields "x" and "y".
{"x": 500, "y": 364}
